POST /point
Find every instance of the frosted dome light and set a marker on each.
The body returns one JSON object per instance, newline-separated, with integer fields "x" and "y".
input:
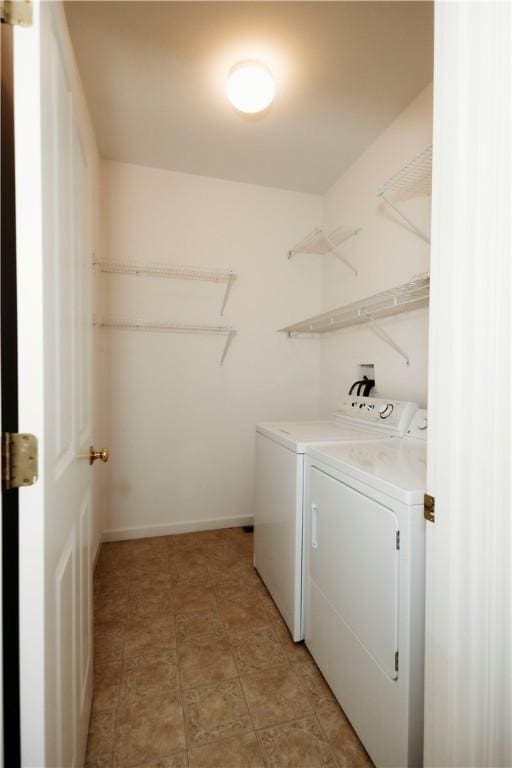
{"x": 250, "y": 87}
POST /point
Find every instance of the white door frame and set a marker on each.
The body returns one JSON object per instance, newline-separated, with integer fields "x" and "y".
{"x": 468, "y": 642}
{"x": 9, "y": 636}
{"x": 27, "y": 58}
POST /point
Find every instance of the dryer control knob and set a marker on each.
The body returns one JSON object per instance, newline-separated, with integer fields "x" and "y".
{"x": 386, "y": 410}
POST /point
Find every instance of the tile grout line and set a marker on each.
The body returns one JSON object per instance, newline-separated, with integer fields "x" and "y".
{"x": 328, "y": 740}
{"x": 178, "y": 670}
{"x": 178, "y": 675}
{"x": 130, "y": 578}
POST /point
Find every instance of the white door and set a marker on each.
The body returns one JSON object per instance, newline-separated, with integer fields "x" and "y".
{"x": 53, "y": 205}
{"x": 468, "y": 614}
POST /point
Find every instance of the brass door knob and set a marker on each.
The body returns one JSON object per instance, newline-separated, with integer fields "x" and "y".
{"x": 94, "y": 455}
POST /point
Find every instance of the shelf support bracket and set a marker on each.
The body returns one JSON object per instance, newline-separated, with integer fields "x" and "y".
{"x": 375, "y": 328}
{"x": 296, "y": 248}
{"x": 402, "y": 215}
{"x": 339, "y": 256}
{"x": 231, "y": 335}
{"x": 229, "y": 285}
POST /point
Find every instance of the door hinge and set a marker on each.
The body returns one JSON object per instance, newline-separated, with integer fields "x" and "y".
{"x": 398, "y": 539}
{"x": 17, "y": 13}
{"x": 429, "y": 508}
{"x": 396, "y": 661}
{"x": 19, "y": 460}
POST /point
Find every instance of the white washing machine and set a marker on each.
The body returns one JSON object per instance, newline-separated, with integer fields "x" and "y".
{"x": 365, "y": 574}
{"x": 278, "y": 516}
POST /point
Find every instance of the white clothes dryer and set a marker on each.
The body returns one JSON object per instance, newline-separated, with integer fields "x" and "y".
{"x": 365, "y": 575}
{"x": 279, "y": 502}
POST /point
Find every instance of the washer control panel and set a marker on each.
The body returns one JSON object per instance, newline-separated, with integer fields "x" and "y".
{"x": 392, "y": 416}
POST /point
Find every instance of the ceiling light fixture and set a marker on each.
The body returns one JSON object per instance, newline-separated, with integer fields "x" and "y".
{"x": 250, "y": 86}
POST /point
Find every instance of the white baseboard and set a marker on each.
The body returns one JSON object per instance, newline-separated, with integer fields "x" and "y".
{"x": 168, "y": 529}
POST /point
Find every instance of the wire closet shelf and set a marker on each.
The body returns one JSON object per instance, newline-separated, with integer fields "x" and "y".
{"x": 157, "y": 326}
{"x": 403, "y": 298}
{"x": 414, "y": 179}
{"x": 176, "y": 271}
{"x": 320, "y": 243}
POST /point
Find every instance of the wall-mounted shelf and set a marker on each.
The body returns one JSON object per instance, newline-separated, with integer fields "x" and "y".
{"x": 414, "y": 179}
{"x": 404, "y": 298}
{"x": 176, "y": 271}
{"x": 171, "y": 327}
{"x": 320, "y": 243}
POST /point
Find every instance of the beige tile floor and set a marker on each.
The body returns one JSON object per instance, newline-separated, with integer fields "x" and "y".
{"x": 194, "y": 666}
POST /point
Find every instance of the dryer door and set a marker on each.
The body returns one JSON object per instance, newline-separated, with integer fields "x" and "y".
{"x": 353, "y": 564}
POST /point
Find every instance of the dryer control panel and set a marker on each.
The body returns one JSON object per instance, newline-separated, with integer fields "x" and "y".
{"x": 386, "y": 415}
{"x": 418, "y": 427}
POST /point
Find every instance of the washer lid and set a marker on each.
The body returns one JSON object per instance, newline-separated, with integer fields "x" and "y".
{"x": 297, "y": 435}
{"x": 397, "y": 468}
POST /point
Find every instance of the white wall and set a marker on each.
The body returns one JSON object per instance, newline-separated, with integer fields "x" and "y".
{"x": 385, "y": 254}
{"x": 182, "y": 427}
